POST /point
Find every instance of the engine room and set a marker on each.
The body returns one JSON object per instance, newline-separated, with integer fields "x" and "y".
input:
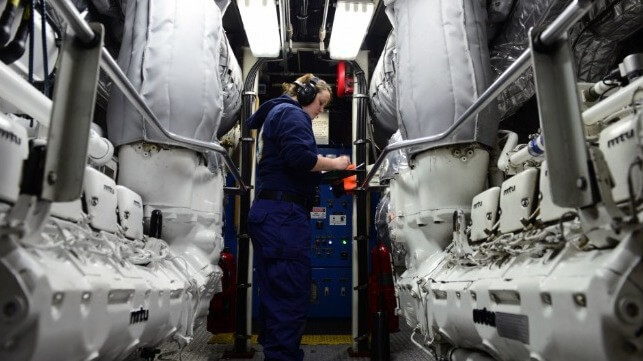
{"x": 321, "y": 180}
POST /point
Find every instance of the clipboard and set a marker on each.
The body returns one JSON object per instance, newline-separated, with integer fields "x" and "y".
{"x": 333, "y": 176}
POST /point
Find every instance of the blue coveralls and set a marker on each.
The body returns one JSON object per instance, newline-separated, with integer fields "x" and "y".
{"x": 280, "y": 230}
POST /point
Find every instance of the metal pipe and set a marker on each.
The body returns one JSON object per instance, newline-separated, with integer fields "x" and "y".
{"x": 244, "y": 252}
{"x": 575, "y": 11}
{"x": 322, "y": 29}
{"x": 282, "y": 26}
{"x": 572, "y": 13}
{"x": 622, "y": 98}
{"x": 534, "y": 149}
{"x": 361, "y": 238}
{"x": 510, "y": 144}
{"x": 302, "y": 16}
{"x": 289, "y": 25}
{"x": 82, "y": 30}
{"x": 24, "y": 96}
{"x": 78, "y": 26}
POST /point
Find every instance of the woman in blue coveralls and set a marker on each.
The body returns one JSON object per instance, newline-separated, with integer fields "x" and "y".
{"x": 288, "y": 169}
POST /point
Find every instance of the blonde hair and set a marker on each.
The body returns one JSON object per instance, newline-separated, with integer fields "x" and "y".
{"x": 291, "y": 88}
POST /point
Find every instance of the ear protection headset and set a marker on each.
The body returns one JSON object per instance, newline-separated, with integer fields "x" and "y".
{"x": 306, "y": 92}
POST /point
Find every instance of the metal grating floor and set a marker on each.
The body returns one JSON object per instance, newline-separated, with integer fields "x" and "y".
{"x": 402, "y": 349}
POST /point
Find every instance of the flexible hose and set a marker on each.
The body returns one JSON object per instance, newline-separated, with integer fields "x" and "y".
{"x": 6, "y": 20}
{"x": 16, "y": 47}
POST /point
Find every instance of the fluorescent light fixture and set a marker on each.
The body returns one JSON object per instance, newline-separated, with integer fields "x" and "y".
{"x": 260, "y": 22}
{"x": 349, "y": 28}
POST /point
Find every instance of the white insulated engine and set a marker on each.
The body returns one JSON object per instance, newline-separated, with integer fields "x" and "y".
{"x": 512, "y": 252}
{"x": 109, "y": 255}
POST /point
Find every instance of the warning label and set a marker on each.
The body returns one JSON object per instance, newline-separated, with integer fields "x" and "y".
{"x": 318, "y": 213}
{"x": 337, "y": 220}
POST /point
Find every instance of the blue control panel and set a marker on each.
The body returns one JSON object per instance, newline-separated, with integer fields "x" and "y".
{"x": 331, "y": 293}
{"x": 331, "y": 222}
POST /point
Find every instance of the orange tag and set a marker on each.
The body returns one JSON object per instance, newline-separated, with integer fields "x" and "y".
{"x": 350, "y": 183}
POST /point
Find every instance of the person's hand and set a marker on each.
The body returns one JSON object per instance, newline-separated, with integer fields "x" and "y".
{"x": 342, "y": 162}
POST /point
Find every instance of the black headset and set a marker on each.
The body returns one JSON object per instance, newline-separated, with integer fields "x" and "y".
{"x": 306, "y": 92}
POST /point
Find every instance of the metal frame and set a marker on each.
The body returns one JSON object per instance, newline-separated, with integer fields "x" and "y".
{"x": 558, "y": 28}
{"x": 561, "y": 123}
{"x": 85, "y": 34}
{"x": 360, "y": 333}
{"x": 71, "y": 115}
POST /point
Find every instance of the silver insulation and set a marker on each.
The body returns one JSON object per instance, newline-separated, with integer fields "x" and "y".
{"x": 232, "y": 82}
{"x": 442, "y": 68}
{"x": 595, "y": 40}
{"x": 382, "y": 90}
{"x": 170, "y": 53}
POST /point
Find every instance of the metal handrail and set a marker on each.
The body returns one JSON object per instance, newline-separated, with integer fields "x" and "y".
{"x": 83, "y": 32}
{"x": 574, "y": 12}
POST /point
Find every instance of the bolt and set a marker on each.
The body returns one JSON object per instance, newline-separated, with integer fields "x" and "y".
{"x": 474, "y": 296}
{"x": 631, "y": 309}
{"x": 457, "y": 294}
{"x": 10, "y": 309}
{"x": 580, "y": 299}
{"x": 58, "y": 297}
{"x": 546, "y": 298}
{"x": 52, "y": 177}
{"x": 581, "y": 183}
{"x": 87, "y": 295}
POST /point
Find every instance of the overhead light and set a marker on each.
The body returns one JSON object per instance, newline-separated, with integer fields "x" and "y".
{"x": 349, "y": 28}
{"x": 260, "y": 22}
